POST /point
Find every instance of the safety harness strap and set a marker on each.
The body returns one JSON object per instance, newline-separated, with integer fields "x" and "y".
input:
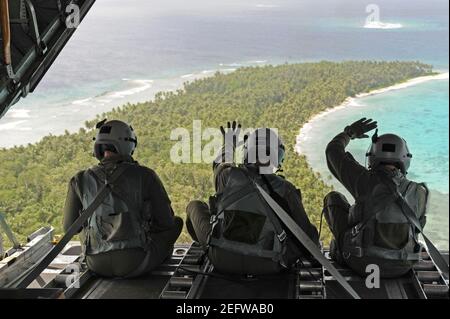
{"x": 240, "y": 247}
{"x": 435, "y": 255}
{"x": 389, "y": 254}
{"x": 306, "y": 241}
{"x": 280, "y": 232}
{"x": 100, "y": 176}
{"x": 73, "y": 229}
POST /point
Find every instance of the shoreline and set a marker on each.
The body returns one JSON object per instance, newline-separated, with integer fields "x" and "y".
{"x": 144, "y": 91}
{"x": 352, "y": 102}
{"x": 29, "y": 123}
{"x": 438, "y": 204}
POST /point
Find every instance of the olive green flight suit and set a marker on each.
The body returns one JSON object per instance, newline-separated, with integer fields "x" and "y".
{"x": 199, "y": 227}
{"x": 360, "y": 182}
{"x": 165, "y": 228}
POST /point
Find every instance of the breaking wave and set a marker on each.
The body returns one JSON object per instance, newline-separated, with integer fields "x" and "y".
{"x": 382, "y": 25}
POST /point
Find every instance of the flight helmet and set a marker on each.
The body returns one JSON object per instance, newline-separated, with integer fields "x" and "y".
{"x": 389, "y": 149}
{"x": 115, "y": 136}
{"x": 264, "y": 147}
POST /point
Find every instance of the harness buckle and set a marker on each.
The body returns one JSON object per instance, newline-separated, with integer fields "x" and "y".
{"x": 358, "y": 252}
{"x": 355, "y": 230}
{"x": 282, "y": 237}
{"x": 354, "y": 251}
{"x": 213, "y": 219}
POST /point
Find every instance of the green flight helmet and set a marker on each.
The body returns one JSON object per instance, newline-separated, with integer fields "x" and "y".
{"x": 264, "y": 146}
{"x": 389, "y": 149}
{"x": 116, "y": 136}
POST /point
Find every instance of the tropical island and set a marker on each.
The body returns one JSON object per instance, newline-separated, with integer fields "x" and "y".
{"x": 34, "y": 178}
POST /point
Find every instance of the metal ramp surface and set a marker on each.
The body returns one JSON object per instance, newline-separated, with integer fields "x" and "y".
{"x": 195, "y": 279}
{"x": 188, "y": 274}
{"x": 423, "y": 282}
{"x": 145, "y": 287}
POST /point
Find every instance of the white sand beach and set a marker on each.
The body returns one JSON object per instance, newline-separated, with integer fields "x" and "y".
{"x": 352, "y": 102}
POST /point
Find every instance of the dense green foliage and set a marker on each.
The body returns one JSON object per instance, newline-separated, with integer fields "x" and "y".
{"x": 33, "y": 179}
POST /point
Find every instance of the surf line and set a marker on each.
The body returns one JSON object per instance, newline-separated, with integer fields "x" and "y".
{"x": 351, "y": 102}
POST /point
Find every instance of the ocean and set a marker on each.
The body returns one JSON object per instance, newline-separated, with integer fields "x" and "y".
{"x": 127, "y": 51}
{"x": 418, "y": 113}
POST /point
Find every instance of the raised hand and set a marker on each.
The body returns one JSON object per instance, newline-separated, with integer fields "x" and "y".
{"x": 360, "y": 128}
{"x": 231, "y": 133}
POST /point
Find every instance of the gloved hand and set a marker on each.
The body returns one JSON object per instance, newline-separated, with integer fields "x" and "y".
{"x": 360, "y": 128}
{"x": 231, "y": 133}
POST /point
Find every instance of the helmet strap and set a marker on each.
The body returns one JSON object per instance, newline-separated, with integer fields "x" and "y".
{"x": 374, "y": 141}
{"x": 100, "y": 124}
{"x": 375, "y": 137}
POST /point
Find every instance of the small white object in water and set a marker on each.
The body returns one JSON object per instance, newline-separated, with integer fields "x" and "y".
{"x": 382, "y": 25}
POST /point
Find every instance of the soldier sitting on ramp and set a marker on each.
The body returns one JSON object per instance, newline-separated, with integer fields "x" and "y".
{"x": 240, "y": 231}
{"x": 134, "y": 229}
{"x": 382, "y": 227}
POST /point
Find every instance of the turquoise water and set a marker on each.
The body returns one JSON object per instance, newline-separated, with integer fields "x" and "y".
{"x": 419, "y": 114}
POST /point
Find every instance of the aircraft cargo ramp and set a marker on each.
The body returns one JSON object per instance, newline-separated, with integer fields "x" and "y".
{"x": 33, "y": 33}
{"x": 308, "y": 281}
{"x": 188, "y": 274}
